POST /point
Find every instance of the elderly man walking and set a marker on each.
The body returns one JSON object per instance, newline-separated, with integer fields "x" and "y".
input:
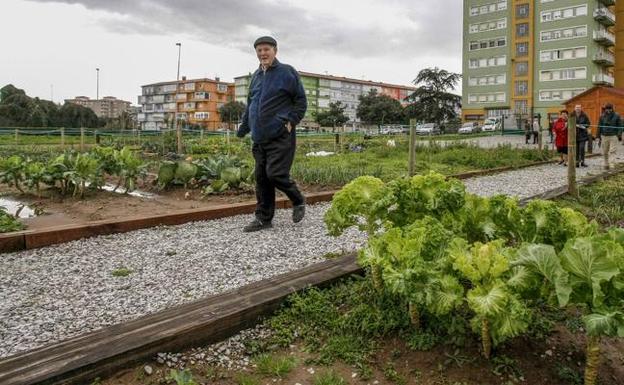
{"x": 276, "y": 103}
{"x": 609, "y": 128}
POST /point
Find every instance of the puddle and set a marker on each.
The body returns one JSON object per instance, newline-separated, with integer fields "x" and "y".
{"x": 17, "y": 208}
{"x": 135, "y": 193}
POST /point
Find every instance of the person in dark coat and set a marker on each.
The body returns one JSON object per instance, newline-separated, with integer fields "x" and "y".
{"x": 609, "y": 129}
{"x": 583, "y": 126}
{"x": 528, "y": 131}
{"x": 276, "y": 103}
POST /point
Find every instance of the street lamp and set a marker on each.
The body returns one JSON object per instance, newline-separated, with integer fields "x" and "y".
{"x": 177, "y": 125}
{"x": 97, "y": 87}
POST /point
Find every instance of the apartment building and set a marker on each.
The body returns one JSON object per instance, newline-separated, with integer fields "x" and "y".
{"x": 324, "y": 89}
{"x": 195, "y": 103}
{"x": 523, "y": 58}
{"x": 108, "y": 107}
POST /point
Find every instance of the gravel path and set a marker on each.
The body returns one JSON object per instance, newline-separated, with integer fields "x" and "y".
{"x": 57, "y": 292}
{"x": 531, "y": 181}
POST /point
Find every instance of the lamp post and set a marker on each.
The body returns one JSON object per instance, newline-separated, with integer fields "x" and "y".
{"x": 177, "y": 125}
{"x": 97, "y": 86}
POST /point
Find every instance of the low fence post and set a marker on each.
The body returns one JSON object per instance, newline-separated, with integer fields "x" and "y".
{"x": 16, "y": 136}
{"x": 63, "y": 138}
{"x": 82, "y": 141}
{"x": 572, "y": 189}
{"x": 411, "y": 170}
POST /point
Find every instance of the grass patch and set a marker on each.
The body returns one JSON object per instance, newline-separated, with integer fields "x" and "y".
{"x": 274, "y": 366}
{"x": 328, "y": 377}
{"x": 121, "y": 272}
{"x": 246, "y": 379}
{"x": 602, "y": 201}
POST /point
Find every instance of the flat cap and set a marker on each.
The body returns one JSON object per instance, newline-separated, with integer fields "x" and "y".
{"x": 609, "y": 106}
{"x": 265, "y": 40}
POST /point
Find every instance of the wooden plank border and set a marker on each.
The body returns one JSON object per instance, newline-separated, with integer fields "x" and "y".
{"x": 201, "y": 322}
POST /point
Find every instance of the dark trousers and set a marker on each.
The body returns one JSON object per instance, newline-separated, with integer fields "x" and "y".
{"x": 273, "y": 162}
{"x": 580, "y": 151}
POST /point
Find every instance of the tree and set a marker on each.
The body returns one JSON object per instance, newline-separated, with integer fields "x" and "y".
{"x": 231, "y": 112}
{"x": 379, "y": 109}
{"x": 333, "y": 117}
{"x": 74, "y": 115}
{"x": 432, "y": 101}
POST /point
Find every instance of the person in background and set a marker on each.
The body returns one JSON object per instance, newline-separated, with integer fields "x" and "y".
{"x": 582, "y": 134}
{"x": 550, "y": 129}
{"x": 609, "y": 128}
{"x": 536, "y": 130}
{"x": 560, "y": 128}
{"x": 527, "y": 132}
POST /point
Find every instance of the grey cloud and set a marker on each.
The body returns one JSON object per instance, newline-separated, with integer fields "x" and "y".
{"x": 434, "y": 31}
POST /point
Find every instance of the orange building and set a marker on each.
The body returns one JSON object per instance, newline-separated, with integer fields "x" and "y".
{"x": 193, "y": 102}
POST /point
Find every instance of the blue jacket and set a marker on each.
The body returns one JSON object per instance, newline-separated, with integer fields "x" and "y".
{"x": 276, "y": 97}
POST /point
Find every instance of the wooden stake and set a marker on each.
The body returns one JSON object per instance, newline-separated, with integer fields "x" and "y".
{"x": 82, "y": 141}
{"x": 412, "y": 151}
{"x": 572, "y": 189}
{"x": 63, "y": 138}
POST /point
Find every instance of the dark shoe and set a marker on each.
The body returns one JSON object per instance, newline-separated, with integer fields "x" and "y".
{"x": 584, "y": 165}
{"x": 578, "y": 165}
{"x": 257, "y": 225}
{"x": 298, "y": 213}
{"x": 560, "y": 162}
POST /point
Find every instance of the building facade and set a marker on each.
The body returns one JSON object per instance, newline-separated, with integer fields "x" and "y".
{"x": 108, "y": 107}
{"x": 194, "y": 102}
{"x": 324, "y": 89}
{"x": 523, "y": 58}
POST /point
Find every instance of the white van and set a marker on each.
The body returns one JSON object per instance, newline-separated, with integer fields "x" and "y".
{"x": 491, "y": 124}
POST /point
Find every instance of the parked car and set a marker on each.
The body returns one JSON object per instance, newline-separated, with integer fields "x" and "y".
{"x": 469, "y": 128}
{"x": 491, "y": 124}
{"x": 428, "y": 129}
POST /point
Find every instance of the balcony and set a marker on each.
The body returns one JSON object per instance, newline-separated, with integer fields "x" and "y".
{"x": 604, "y": 16}
{"x": 603, "y": 79}
{"x": 605, "y": 58}
{"x": 607, "y": 3}
{"x": 604, "y": 37}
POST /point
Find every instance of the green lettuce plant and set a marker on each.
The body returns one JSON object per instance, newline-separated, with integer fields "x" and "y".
{"x": 588, "y": 273}
{"x": 499, "y": 312}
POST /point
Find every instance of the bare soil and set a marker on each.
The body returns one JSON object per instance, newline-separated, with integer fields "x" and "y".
{"x": 559, "y": 360}
{"x": 56, "y": 210}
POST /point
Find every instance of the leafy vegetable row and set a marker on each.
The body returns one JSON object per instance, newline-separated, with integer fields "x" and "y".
{"x": 446, "y": 250}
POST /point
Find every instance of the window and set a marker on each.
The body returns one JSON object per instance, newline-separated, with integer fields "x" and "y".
{"x": 488, "y": 43}
{"x": 495, "y": 97}
{"x": 487, "y": 80}
{"x": 563, "y": 54}
{"x": 494, "y": 61}
{"x": 563, "y": 74}
{"x": 564, "y": 33}
{"x": 563, "y": 13}
{"x": 522, "y": 30}
{"x": 222, "y": 87}
{"x": 202, "y": 115}
{"x": 488, "y": 8}
{"x": 522, "y": 68}
{"x": 521, "y": 107}
{"x": 559, "y": 94}
{"x": 522, "y": 11}
{"x": 522, "y": 49}
{"x": 521, "y": 87}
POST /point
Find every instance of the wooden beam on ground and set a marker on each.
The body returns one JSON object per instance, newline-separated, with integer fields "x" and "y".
{"x": 100, "y": 353}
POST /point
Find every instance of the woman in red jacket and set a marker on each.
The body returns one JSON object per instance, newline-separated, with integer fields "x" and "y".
{"x": 560, "y": 129}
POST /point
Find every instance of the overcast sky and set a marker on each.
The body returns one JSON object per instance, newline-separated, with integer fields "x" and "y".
{"x": 59, "y": 43}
